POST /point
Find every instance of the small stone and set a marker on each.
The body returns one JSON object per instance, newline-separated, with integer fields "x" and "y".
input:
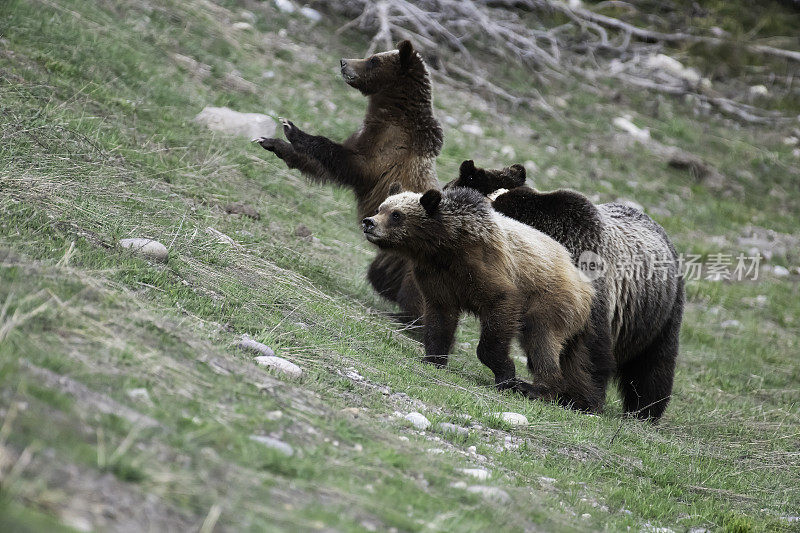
{"x": 450, "y": 120}
{"x": 530, "y": 166}
{"x": 515, "y": 419}
{"x": 273, "y": 415}
{"x": 472, "y": 450}
{"x": 275, "y": 444}
{"x": 699, "y": 530}
{"x": 311, "y": 14}
{"x": 139, "y": 395}
{"x": 435, "y": 451}
{"x": 547, "y": 480}
{"x": 146, "y": 247}
{"x": 446, "y": 427}
{"x": 552, "y": 150}
{"x": 490, "y": 493}
{"x": 285, "y": 5}
{"x": 458, "y": 485}
{"x": 780, "y": 271}
{"x": 472, "y": 129}
{"x": 418, "y": 420}
{"x": 759, "y": 90}
{"x": 268, "y": 74}
{"x": 254, "y": 346}
{"x": 249, "y": 16}
{"x": 586, "y": 516}
{"x": 481, "y": 474}
{"x": 220, "y": 237}
{"x": 239, "y": 208}
{"x": 790, "y": 141}
{"x": 508, "y": 152}
{"x": 302, "y": 231}
{"x": 280, "y": 364}
{"x": 403, "y": 438}
{"x": 358, "y": 447}
{"x": 731, "y": 324}
{"x": 242, "y": 26}
{"x": 351, "y": 411}
{"x": 625, "y": 124}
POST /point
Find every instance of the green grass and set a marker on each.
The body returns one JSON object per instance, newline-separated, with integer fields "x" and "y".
{"x": 98, "y": 144}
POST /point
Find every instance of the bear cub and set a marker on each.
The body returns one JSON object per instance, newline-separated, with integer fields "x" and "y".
{"x": 638, "y": 306}
{"x": 518, "y": 281}
{"x": 398, "y": 141}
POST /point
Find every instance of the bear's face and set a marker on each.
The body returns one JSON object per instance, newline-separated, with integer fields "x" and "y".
{"x": 382, "y": 71}
{"x": 404, "y": 220}
{"x": 488, "y": 181}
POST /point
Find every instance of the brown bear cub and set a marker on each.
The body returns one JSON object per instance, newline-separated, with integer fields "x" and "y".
{"x": 517, "y": 280}
{"x": 639, "y": 299}
{"x": 398, "y": 142}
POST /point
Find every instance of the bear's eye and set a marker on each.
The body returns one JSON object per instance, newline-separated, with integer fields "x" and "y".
{"x": 396, "y": 216}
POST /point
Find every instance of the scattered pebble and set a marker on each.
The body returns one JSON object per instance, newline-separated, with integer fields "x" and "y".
{"x": 280, "y": 364}
{"x": 759, "y": 90}
{"x": 358, "y": 447}
{"x": 515, "y": 419}
{"x": 508, "y": 152}
{"x": 311, "y": 14}
{"x": 586, "y": 516}
{"x": 472, "y": 449}
{"x": 625, "y": 124}
{"x": 548, "y": 480}
{"x": 249, "y": 16}
{"x": 530, "y": 166}
{"x": 780, "y": 271}
{"x": 239, "y": 208}
{"x": 273, "y": 415}
{"x": 230, "y": 122}
{"x": 351, "y": 411}
{"x": 146, "y": 247}
{"x": 242, "y": 26}
{"x": 481, "y": 474}
{"x": 490, "y": 493}
{"x": 418, "y": 420}
{"x": 275, "y": 444}
{"x": 699, "y": 530}
{"x": 435, "y": 451}
{"x": 472, "y": 129}
{"x": 552, "y": 150}
{"x": 249, "y": 344}
{"x": 285, "y": 5}
{"x": 221, "y": 237}
{"x": 139, "y": 395}
{"x": 446, "y": 427}
{"x": 731, "y": 324}
{"x": 403, "y": 438}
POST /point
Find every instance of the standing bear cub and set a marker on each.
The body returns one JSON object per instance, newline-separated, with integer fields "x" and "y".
{"x": 639, "y": 299}
{"x": 518, "y": 281}
{"x": 398, "y": 141}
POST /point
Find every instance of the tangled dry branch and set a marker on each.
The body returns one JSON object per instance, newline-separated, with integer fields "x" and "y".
{"x": 578, "y": 42}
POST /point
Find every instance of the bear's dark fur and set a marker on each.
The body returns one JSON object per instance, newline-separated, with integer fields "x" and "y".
{"x": 518, "y": 281}
{"x": 398, "y": 141}
{"x": 642, "y": 313}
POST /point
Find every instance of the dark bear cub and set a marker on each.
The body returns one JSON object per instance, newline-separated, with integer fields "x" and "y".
{"x": 638, "y": 306}
{"x": 398, "y": 141}
{"x": 518, "y": 281}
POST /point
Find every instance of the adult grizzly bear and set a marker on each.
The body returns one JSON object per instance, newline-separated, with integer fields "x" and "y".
{"x": 639, "y": 290}
{"x": 398, "y": 142}
{"x": 518, "y": 281}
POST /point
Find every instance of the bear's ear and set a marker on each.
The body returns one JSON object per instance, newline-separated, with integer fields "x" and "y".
{"x": 517, "y": 175}
{"x": 467, "y": 168}
{"x": 430, "y": 201}
{"x": 395, "y": 188}
{"x": 406, "y": 52}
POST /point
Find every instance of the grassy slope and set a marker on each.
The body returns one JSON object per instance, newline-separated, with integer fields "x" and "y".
{"x": 98, "y": 144}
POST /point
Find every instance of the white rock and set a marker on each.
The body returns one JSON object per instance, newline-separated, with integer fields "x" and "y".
{"x": 311, "y": 14}
{"x": 530, "y": 166}
{"x": 249, "y": 16}
{"x": 674, "y": 67}
{"x": 551, "y": 149}
{"x": 280, "y": 364}
{"x": 481, "y": 474}
{"x": 403, "y": 438}
{"x": 796, "y": 152}
{"x": 275, "y": 444}
{"x": 586, "y": 516}
{"x": 273, "y": 415}
{"x": 472, "y": 129}
{"x": 242, "y": 26}
{"x": 446, "y": 427}
{"x": 254, "y": 346}
{"x": 515, "y": 419}
{"x": 547, "y": 480}
{"x": 508, "y": 151}
{"x": 450, "y": 120}
{"x": 780, "y": 271}
{"x": 147, "y": 247}
{"x": 759, "y": 90}
{"x": 625, "y": 124}
{"x": 472, "y": 450}
{"x": 490, "y": 493}
{"x": 790, "y": 141}
{"x": 418, "y": 420}
{"x": 139, "y": 395}
{"x": 228, "y": 121}
{"x": 201, "y": 70}
{"x": 435, "y": 451}
{"x": 730, "y": 324}
{"x": 285, "y": 5}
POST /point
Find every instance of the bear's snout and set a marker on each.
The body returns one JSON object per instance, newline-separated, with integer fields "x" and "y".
{"x": 368, "y": 224}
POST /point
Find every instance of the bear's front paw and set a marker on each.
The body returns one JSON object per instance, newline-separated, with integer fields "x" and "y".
{"x": 439, "y": 361}
{"x": 290, "y": 131}
{"x": 267, "y": 143}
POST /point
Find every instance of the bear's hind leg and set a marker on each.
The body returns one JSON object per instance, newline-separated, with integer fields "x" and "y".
{"x": 645, "y": 381}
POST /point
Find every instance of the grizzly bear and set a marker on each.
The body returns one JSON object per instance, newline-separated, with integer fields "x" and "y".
{"x": 639, "y": 290}
{"x": 518, "y": 281}
{"x": 398, "y": 141}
